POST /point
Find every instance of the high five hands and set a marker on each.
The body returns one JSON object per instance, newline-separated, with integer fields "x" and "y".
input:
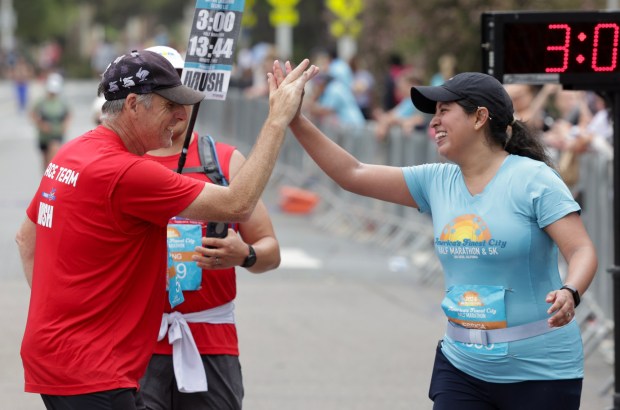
{"x": 286, "y": 91}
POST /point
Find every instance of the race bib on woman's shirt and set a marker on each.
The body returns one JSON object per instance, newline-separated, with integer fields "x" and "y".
{"x": 477, "y": 307}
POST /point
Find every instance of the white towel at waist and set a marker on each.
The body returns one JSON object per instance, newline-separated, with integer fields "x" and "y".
{"x": 188, "y": 368}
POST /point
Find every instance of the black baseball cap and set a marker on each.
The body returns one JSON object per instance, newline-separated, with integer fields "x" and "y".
{"x": 479, "y": 89}
{"x": 144, "y": 72}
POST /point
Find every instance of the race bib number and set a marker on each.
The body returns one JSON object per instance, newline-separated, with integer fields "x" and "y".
{"x": 477, "y": 307}
{"x": 175, "y": 294}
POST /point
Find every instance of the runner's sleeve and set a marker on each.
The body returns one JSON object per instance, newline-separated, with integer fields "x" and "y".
{"x": 551, "y": 198}
{"x": 149, "y": 191}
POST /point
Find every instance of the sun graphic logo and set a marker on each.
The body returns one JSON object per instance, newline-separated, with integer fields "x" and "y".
{"x": 470, "y": 298}
{"x": 173, "y": 232}
{"x": 463, "y": 227}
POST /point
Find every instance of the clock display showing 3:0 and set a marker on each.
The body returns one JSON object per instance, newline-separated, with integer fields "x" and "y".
{"x": 561, "y": 47}
{"x": 578, "y": 49}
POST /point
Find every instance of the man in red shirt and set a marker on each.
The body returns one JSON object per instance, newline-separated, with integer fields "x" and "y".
{"x": 93, "y": 244}
{"x": 252, "y": 245}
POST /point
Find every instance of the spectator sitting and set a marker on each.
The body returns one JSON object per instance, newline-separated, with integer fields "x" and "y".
{"x": 404, "y": 115}
{"x": 333, "y": 101}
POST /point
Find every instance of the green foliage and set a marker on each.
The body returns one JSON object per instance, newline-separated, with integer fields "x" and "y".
{"x": 420, "y": 31}
{"x": 117, "y": 12}
{"x": 41, "y": 20}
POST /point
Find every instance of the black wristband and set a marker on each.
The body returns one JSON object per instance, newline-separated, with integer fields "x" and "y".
{"x": 574, "y": 292}
{"x": 250, "y": 260}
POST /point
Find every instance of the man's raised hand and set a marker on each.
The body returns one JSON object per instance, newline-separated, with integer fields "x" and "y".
{"x": 286, "y": 91}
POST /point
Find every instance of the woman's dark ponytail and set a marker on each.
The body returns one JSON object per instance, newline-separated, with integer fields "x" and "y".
{"x": 522, "y": 141}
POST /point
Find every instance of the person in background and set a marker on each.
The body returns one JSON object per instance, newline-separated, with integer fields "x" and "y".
{"x": 567, "y": 137}
{"x": 363, "y": 86}
{"x": 404, "y": 115}
{"x": 330, "y": 63}
{"x": 93, "y": 243}
{"x": 600, "y": 126}
{"x": 263, "y": 56}
{"x": 51, "y": 115}
{"x": 447, "y": 69}
{"x": 251, "y": 244}
{"x": 396, "y": 66}
{"x": 96, "y": 109}
{"x": 529, "y": 103}
{"x": 500, "y": 215}
{"x": 21, "y": 72}
{"x": 332, "y": 102}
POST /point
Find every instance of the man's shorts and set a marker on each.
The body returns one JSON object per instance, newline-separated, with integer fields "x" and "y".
{"x": 159, "y": 391}
{"x": 117, "y": 399}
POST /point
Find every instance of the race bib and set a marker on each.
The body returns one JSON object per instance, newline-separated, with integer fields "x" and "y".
{"x": 477, "y": 307}
{"x": 182, "y": 240}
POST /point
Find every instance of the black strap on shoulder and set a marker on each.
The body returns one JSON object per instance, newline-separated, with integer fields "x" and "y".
{"x": 209, "y": 161}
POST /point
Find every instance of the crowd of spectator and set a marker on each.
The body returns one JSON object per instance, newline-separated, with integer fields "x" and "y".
{"x": 348, "y": 94}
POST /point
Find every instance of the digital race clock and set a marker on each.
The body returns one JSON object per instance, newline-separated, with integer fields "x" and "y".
{"x": 576, "y": 49}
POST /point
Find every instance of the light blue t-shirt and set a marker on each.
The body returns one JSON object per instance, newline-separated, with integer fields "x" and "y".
{"x": 340, "y": 99}
{"x": 405, "y": 109}
{"x": 341, "y": 71}
{"x": 495, "y": 240}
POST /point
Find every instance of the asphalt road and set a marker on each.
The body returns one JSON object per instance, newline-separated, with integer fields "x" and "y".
{"x": 333, "y": 328}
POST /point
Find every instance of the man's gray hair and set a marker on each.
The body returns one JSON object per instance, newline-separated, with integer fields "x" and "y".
{"x": 111, "y": 109}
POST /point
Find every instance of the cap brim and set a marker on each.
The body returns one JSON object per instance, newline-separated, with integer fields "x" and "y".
{"x": 181, "y": 95}
{"x": 425, "y": 98}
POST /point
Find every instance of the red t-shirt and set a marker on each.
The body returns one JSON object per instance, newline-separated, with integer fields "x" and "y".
{"x": 218, "y": 286}
{"x": 98, "y": 286}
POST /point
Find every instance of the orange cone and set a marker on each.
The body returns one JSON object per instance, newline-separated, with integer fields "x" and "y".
{"x": 297, "y": 201}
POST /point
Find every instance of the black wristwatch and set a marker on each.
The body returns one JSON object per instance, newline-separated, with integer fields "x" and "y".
{"x": 575, "y": 293}
{"x": 250, "y": 260}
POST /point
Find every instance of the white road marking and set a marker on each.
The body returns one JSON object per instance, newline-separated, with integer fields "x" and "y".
{"x": 296, "y": 258}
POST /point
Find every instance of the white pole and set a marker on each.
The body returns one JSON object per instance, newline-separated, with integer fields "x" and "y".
{"x": 7, "y": 25}
{"x": 347, "y": 47}
{"x": 284, "y": 41}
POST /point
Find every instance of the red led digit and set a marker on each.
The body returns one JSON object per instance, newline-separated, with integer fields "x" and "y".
{"x": 565, "y": 48}
{"x": 614, "y": 52}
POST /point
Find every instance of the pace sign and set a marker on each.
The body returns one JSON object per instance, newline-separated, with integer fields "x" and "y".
{"x": 210, "y": 51}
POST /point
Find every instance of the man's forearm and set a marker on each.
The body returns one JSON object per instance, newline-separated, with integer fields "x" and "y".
{"x": 26, "y": 239}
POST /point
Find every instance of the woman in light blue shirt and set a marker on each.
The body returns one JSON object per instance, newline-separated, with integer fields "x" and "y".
{"x": 500, "y": 214}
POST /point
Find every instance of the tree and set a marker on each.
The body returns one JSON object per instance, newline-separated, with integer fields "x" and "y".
{"x": 40, "y": 20}
{"x": 422, "y": 31}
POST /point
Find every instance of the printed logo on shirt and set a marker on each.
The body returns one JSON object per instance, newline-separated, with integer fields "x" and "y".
{"x": 50, "y": 196}
{"x": 46, "y": 212}
{"x": 470, "y": 298}
{"x": 468, "y": 237}
{"x": 61, "y": 174}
